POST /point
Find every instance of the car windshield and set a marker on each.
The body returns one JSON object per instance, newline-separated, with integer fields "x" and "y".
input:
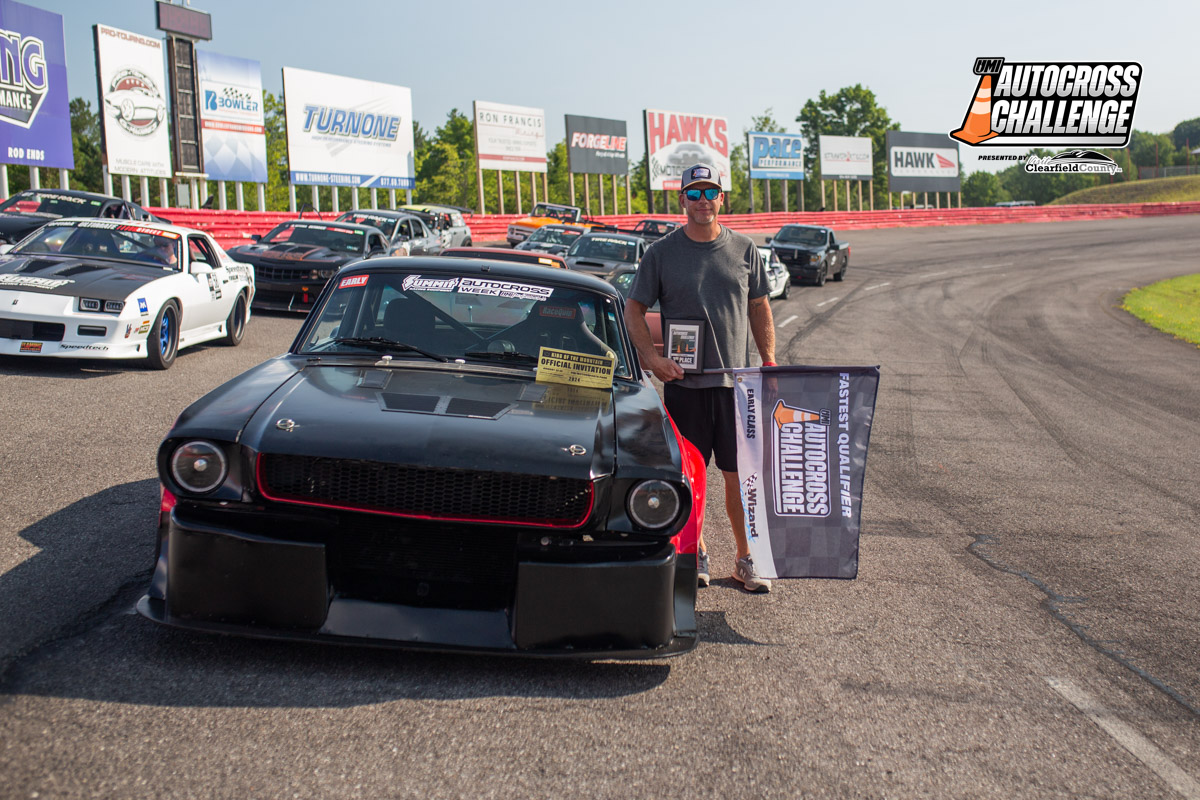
{"x": 800, "y": 235}
{"x": 447, "y": 316}
{"x": 62, "y": 205}
{"x": 769, "y": 256}
{"x": 606, "y": 248}
{"x": 548, "y": 235}
{"x": 385, "y": 224}
{"x": 541, "y": 210}
{"x": 339, "y": 240}
{"x": 123, "y": 241}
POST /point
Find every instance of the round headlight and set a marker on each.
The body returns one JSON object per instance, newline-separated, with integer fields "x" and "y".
{"x": 199, "y": 466}
{"x": 653, "y": 504}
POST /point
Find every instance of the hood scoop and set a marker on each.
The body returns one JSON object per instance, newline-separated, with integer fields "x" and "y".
{"x": 77, "y": 269}
{"x": 443, "y": 405}
{"x": 38, "y": 264}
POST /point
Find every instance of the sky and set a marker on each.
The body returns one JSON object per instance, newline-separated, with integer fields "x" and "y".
{"x": 615, "y": 58}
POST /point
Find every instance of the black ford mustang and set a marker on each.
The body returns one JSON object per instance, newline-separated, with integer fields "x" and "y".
{"x": 454, "y": 454}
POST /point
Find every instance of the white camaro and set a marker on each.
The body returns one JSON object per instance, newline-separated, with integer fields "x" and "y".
{"x": 87, "y": 288}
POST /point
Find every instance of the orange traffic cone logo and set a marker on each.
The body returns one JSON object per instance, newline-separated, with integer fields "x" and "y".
{"x": 977, "y": 126}
{"x": 786, "y": 415}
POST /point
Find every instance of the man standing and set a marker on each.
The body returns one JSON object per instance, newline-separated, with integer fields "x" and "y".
{"x": 704, "y": 271}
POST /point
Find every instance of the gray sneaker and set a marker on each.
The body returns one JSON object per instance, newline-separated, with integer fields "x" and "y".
{"x": 745, "y": 572}
{"x": 702, "y": 575}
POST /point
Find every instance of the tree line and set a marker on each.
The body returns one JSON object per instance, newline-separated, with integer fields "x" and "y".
{"x": 446, "y": 174}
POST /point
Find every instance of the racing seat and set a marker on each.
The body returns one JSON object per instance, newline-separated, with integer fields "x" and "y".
{"x": 411, "y": 321}
{"x": 557, "y": 324}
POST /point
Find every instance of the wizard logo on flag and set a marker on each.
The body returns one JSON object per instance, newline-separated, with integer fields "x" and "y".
{"x": 802, "y": 457}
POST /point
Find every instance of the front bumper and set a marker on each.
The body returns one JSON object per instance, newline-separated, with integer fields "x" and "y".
{"x": 287, "y": 295}
{"x": 49, "y": 325}
{"x": 517, "y": 235}
{"x": 220, "y": 573}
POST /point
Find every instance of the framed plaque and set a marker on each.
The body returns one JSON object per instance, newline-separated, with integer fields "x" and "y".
{"x": 683, "y": 343}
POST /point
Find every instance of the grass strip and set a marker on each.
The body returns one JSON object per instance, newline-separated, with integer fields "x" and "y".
{"x": 1171, "y": 306}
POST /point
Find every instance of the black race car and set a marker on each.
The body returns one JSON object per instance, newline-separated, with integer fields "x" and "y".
{"x": 604, "y": 253}
{"x": 25, "y": 212}
{"x": 454, "y": 454}
{"x": 295, "y": 259}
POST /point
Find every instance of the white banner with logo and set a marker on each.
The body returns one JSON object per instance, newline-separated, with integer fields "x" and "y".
{"x": 133, "y": 104}
{"x": 510, "y": 137}
{"x": 802, "y": 459}
{"x": 232, "y": 130}
{"x": 348, "y": 132}
{"x": 846, "y": 158}
{"x": 924, "y": 162}
{"x": 676, "y": 140}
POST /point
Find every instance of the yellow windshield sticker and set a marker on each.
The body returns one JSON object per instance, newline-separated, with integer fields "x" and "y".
{"x": 575, "y": 369}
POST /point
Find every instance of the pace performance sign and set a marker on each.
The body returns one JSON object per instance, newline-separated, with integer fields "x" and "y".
{"x": 35, "y": 121}
{"x": 232, "y": 130}
{"x": 676, "y": 140}
{"x": 776, "y": 156}
{"x": 802, "y": 457}
{"x": 348, "y": 132}
{"x": 133, "y": 105}
{"x": 597, "y": 146}
{"x": 510, "y": 137}
{"x": 922, "y": 162}
{"x": 846, "y": 158}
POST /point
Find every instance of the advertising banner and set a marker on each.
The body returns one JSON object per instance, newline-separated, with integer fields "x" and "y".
{"x": 348, "y": 132}
{"x": 846, "y": 158}
{"x": 232, "y": 131}
{"x": 133, "y": 105}
{"x": 510, "y": 137}
{"x": 922, "y": 162}
{"x": 597, "y": 146}
{"x": 676, "y": 141}
{"x": 776, "y": 156}
{"x": 802, "y": 457}
{"x": 35, "y": 118}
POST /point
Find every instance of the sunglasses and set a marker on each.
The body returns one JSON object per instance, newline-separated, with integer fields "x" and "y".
{"x": 709, "y": 194}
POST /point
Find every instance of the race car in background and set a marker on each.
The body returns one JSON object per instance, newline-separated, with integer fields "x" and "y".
{"x": 25, "y": 212}
{"x": 295, "y": 259}
{"x": 546, "y": 214}
{"x": 448, "y": 219}
{"x": 407, "y": 233}
{"x": 555, "y": 239}
{"x": 83, "y": 288}
{"x": 601, "y": 254}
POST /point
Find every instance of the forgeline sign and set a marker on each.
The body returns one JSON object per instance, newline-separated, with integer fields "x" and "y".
{"x": 1051, "y": 103}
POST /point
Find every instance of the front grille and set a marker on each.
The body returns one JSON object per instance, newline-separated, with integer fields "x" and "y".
{"x": 447, "y": 494}
{"x": 35, "y": 331}
{"x": 267, "y": 273}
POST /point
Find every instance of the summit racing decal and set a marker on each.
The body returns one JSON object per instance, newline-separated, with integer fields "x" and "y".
{"x": 422, "y": 284}
{"x": 1051, "y": 103}
{"x": 23, "y": 77}
{"x": 31, "y": 282}
{"x": 802, "y": 481}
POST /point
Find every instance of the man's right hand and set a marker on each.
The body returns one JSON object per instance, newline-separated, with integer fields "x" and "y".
{"x": 666, "y": 369}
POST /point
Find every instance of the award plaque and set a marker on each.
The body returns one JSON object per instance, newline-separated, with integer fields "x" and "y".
{"x": 683, "y": 343}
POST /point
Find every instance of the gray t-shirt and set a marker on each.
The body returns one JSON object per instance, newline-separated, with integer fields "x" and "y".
{"x": 712, "y": 281}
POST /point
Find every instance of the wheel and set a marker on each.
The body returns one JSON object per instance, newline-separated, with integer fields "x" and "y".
{"x": 235, "y": 325}
{"x": 821, "y": 276}
{"x": 162, "y": 345}
{"x": 787, "y": 289}
{"x": 467, "y": 243}
{"x": 842, "y": 272}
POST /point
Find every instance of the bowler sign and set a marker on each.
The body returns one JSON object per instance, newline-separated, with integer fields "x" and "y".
{"x": 776, "y": 156}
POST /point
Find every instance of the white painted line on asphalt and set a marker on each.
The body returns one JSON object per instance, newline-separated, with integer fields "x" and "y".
{"x": 1141, "y": 747}
{"x": 877, "y": 286}
{"x": 792, "y": 318}
{"x": 992, "y": 266}
{"x": 830, "y": 300}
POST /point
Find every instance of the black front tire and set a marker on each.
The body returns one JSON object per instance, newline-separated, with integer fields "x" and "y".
{"x": 842, "y": 272}
{"x": 821, "y": 276}
{"x": 787, "y": 289}
{"x": 235, "y": 325}
{"x": 162, "y": 345}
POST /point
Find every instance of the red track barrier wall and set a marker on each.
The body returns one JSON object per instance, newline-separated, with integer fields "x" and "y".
{"x": 231, "y": 228}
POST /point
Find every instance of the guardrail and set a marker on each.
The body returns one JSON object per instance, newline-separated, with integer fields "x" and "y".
{"x": 236, "y": 227}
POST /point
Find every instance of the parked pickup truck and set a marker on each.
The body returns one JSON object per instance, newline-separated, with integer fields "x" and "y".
{"x": 546, "y": 214}
{"x": 811, "y": 253}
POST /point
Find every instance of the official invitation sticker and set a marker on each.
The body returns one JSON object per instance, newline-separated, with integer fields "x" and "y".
{"x": 575, "y": 369}
{"x": 519, "y": 291}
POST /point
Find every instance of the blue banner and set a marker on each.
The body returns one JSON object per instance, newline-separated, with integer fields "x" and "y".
{"x": 231, "y": 118}
{"x": 35, "y": 117}
{"x": 776, "y": 156}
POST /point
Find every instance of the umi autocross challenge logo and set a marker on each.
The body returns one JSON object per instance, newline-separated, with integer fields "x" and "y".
{"x": 1051, "y": 103}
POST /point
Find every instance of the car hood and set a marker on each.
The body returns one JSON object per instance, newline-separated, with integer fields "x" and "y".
{"x": 544, "y": 247}
{"x": 437, "y": 418}
{"x": 76, "y": 277}
{"x": 291, "y": 254}
{"x": 19, "y": 222}
{"x": 596, "y": 265}
{"x": 795, "y": 248}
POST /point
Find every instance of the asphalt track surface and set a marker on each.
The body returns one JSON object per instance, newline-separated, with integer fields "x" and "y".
{"x": 1025, "y": 622}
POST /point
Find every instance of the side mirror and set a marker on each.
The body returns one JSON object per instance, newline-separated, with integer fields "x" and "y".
{"x": 256, "y": 237}
{"x": 200, "y": 268}
{"x": 768, "y": 240}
